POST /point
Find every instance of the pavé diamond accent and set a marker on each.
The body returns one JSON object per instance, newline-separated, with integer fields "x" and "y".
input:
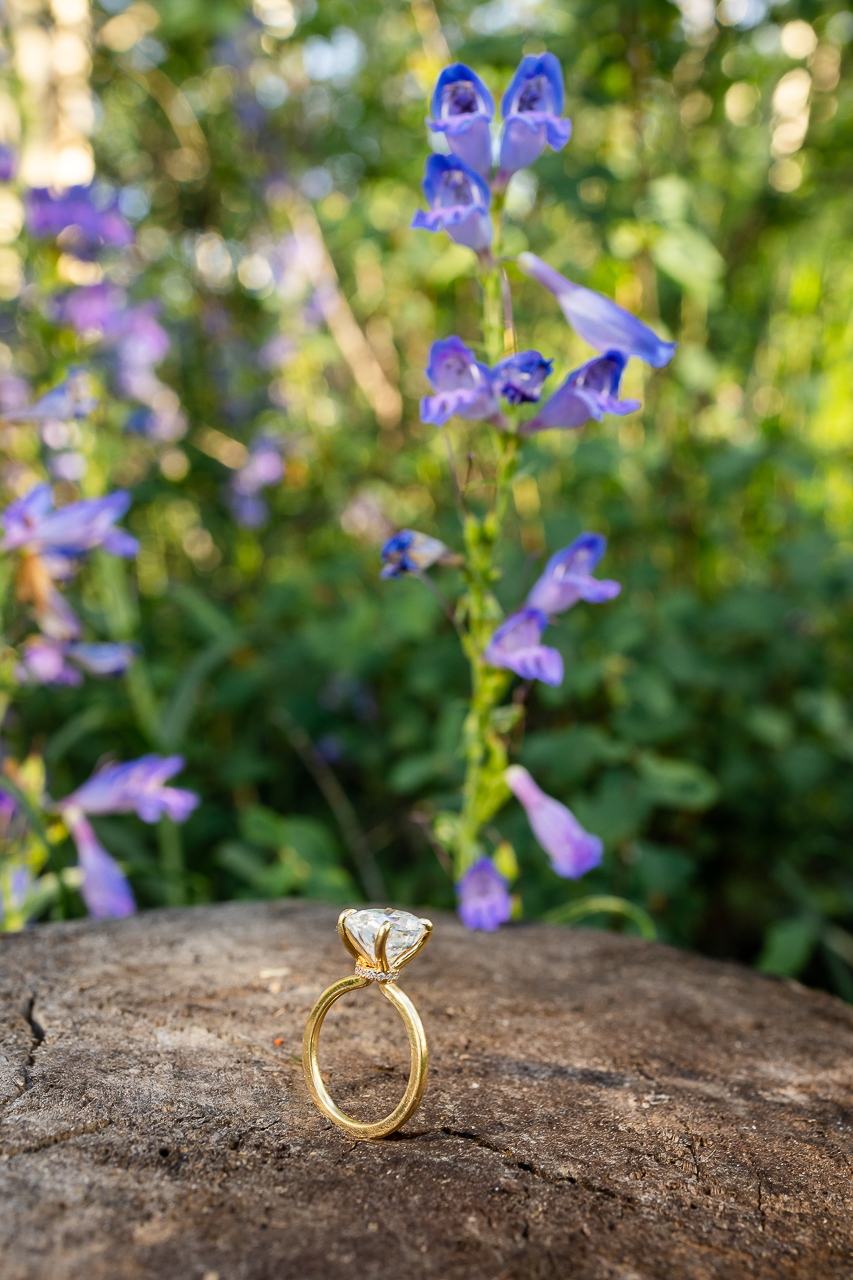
{"x": 363, "y": 926}
{"x": 363, "y": 972}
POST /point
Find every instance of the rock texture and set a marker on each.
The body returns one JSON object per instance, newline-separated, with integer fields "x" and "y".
{"x": 598, "y": 1108}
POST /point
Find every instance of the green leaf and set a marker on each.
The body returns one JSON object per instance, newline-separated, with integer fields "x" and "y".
{"x": 178, "y": 712}
{"x": 596, "y": 905}
{"x": 676, "y": 784}
{"x": 788, "y": 945}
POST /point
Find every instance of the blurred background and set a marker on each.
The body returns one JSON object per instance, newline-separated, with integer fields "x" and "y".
{"x": 269, "y": 161}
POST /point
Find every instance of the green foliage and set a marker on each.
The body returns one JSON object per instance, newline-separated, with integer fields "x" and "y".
{"x": 704, "y": 728}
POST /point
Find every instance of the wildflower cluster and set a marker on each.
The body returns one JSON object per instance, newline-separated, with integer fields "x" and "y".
{"x": 47, "y": 545}
{"x": 503, "y": 392}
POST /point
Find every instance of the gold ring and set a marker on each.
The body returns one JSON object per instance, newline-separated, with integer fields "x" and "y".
{"x": 381, "y": 941}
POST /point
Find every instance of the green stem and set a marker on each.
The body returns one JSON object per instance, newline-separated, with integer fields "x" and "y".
{"x": 484, "y": 790}
{"x": 172, "y": 862}
{"x": 122, "y": 619}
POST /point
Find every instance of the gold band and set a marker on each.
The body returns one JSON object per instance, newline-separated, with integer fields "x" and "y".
{"x": 410, "y": 1101}
{"x": 379, "y": 952}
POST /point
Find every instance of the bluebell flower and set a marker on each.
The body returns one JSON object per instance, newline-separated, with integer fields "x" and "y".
{"x": 43, "y": 661}
{"x": 462, "y": 108}
{"x": 32, "y": 525}
{"x": 463, "y": 385}
{"x": 483, "y": 895}
{"x": 136, "y": 787}
{"x": 519, "y": 378}
{"x": 105, "y": 889}
{"x": 72, "y": 398}
{"x": 588, "y": 392}
{"x": 568, "y": 577}
{"x": 599, "y": 321}
{"x": 572, "y": 850}
{"x": 516, "y": 646}
{"x": 459, "y": 202}
{"x": 532, "y": 108}
{"x": 411, "y": 552}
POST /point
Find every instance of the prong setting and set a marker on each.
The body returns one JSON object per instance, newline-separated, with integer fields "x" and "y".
{"x": 382, "y": 940}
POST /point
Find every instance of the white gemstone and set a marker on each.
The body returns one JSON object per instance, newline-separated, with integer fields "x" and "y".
{"x": 363, "y": 926}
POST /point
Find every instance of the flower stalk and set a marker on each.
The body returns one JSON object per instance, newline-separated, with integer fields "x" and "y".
{"x": 466, "y": 202}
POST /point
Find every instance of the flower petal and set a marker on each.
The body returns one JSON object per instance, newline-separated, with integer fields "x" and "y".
{"x": 484, "y": 899}
{"x": 572, "y": 850}
{"x": 599, "y": 321}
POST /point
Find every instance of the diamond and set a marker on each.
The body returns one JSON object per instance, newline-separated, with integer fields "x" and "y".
{"x": 363, "y": 926}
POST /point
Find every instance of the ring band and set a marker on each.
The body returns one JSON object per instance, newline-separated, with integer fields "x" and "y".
{"x": 381, "y": 941}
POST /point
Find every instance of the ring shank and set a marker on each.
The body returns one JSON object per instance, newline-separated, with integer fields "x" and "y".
{"x": 408, "y": 1104}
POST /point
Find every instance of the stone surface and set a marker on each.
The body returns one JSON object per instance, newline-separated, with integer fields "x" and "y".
{"x": 597, "y": 1109}
{"x": 363, "y": 926}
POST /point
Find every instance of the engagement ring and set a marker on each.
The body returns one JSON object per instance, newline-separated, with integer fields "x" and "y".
{"x": 381, "y": 942}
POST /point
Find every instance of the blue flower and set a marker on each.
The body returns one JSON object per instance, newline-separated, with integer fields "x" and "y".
{"x": 572, "y": 850}
{"x": 72, "y": 398}
{"x": 459, "y": 202}
{"x": 45, "y": 660}
{"x": 516, "y": 647}
{"x": 138, "y": 786}
{"x": 31, "y": 525}
{"x": 411, "y": 552}
{"x": 90, "y": 227}
{"x": 599, "y": 321}
{"x": 105, "y": 889}
{"x": 519, "y": 378}
{"x": 463, "y": 385}
{"x": 531, "y": 108}
{"x": 461, "y": 109}
{"x": 568, "y": 577}
{"x": 8, "y": 163}
{"x": 264, "y": 466}
{"x": 484, "y": 901}
{"x": 588, "y": 392}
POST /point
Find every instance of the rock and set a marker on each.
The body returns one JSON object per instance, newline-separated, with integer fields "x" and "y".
{"x": 598, "y": 1108}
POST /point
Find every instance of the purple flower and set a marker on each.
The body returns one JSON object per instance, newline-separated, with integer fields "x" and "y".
{"x": 519, "y": 378}
{"x": 459, "y": 202}
{"x": 484, "y": 901}
{"x": 516, "y": 647}
{"x": 461, "y": 109}
{"x": 103, "y": 658}
{"x": 263, "y": 467}
{"x": 105, "y": 889}
{"x": 75, "y": 212}
{"x": 568, "y": 577}
{"x": 14, "y": 392}
{"x": 71, "y": 399}
{"x": 137, "y": 786}
{"x": 96, "y": 306}
{"x": 588, "y": 392}
{"x": 572, "y": 850}
{"x": 31, "y": 524}
{"x": 43, "y": 662}
{"x": 531, "y": 108}
{"x": 8, "y": 809}
{"x": 8, "y": 163}
{"x": 248, "y": 512}
{"x": 411, "y": 552}
{"x": 141, "y": 340}
{"x": 463, "y": 385}
{"x": 599, "y": 321}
